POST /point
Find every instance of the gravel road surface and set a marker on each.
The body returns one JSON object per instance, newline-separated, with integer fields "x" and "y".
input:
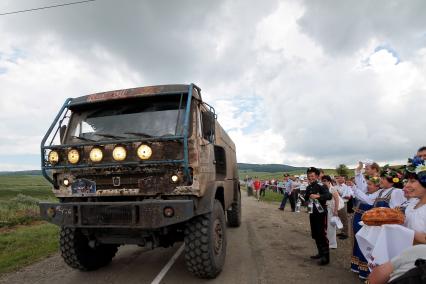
{"x": 271, "y": 246}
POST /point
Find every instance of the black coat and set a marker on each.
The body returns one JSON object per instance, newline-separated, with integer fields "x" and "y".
{"x": 322, "y": 190}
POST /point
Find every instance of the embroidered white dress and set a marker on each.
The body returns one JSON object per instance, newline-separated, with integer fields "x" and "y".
{"x": 415, "y": 218}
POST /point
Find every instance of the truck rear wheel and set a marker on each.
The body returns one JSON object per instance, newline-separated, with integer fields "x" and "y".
{"x": 205, "y": 243}
{"x": 78, "y": 254}
{"x": 234, "y": 214}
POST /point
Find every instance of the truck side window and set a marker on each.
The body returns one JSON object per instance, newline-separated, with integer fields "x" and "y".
{"x": 220, "y": 158}
{"x": 208, "y": 124}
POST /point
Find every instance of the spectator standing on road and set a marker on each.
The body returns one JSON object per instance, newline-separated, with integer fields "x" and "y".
{"x": 257, "y": 185}
{"x": 263, "y": 187}
{"x": 287, "y": 191}
{"x": 346, "y": 193}
{"x": 250, "y": 186}
{"x": 332, "y": 209}
{"x": 295, "y": 189}
{"x": 317, "y": 195}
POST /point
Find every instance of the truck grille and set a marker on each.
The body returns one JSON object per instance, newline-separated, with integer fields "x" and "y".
{"x": 108, "y": 215}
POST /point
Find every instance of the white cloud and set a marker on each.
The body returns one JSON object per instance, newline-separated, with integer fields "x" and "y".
{"x": 298, "y": 82}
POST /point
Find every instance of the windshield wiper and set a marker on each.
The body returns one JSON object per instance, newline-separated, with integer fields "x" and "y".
{"x": 109, "y": 135}
{"x": 140, "y": 134}
{"x": 83, "y": 138}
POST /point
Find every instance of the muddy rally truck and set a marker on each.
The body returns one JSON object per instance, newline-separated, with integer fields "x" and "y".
{"x": 149, "y": 166}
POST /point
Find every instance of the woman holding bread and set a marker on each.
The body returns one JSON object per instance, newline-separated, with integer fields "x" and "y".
{"x": 359, "y": 263}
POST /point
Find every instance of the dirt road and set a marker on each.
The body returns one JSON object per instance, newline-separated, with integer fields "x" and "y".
{"x": 271, "y": 246}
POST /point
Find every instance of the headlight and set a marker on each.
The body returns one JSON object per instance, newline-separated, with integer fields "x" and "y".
{"x": 144, "y": 152}
{"x": 96, "y": 155}
{"x": 119, "y": 153}
{"x": 174, "y": 178}
{"x": 53, "y": 157}
{"x": 73, "y": 156}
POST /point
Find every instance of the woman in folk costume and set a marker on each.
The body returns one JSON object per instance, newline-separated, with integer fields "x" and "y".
{"x": 415, "y": 189}
{"x": 391, "y": 194}
{"x": 365, "y": 187}
{"x": 333, "y": 206}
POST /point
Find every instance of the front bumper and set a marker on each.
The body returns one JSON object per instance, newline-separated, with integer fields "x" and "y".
{"x": 146, "y": 214}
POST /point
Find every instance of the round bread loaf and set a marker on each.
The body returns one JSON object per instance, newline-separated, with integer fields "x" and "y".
{"x": 382, "y": 215}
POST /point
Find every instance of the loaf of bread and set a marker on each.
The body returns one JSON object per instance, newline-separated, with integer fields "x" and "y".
{"x": 382, "y": 215}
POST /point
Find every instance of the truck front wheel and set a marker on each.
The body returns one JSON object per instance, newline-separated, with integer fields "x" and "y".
{"x": 78, "y": 254}
{"x": 205, "y": 243}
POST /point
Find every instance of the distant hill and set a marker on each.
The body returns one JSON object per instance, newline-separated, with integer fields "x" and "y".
{"x": 22, "y": 173}
{"x": 269, "y": 168}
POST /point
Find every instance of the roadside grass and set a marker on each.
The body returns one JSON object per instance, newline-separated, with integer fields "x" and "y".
{"x": 24, "y": 239}
{"x": 20, "y": 210}
{"x": 19, "y": 197}
{"x": 270, "y": 196}
{"x": 23, "y": 245}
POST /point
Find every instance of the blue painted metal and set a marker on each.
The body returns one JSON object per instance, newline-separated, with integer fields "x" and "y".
{"x": 183, "y": 137}
{"x": 43, "y": 141}
{"x": 186, "y": 133}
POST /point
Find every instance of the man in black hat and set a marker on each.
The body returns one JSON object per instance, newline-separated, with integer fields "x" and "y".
{"x": 317, "y": 195}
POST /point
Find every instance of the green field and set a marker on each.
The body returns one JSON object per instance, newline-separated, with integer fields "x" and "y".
{"x": 23, "y": 238}
{"x": 34, "y": 186}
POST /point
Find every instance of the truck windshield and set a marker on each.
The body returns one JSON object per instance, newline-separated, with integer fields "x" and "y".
{"x": 129, "y": 119}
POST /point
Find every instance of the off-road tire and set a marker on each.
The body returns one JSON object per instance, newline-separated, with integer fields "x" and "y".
{"x": 234, "y": 214}
{"x": 77, "y": 253}
{"x": 205, "y": 243}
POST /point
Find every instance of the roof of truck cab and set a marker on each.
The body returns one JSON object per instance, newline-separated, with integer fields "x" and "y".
{"x": 135, "y": 92}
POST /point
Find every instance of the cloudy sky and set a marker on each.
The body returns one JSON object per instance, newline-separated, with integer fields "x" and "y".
{"x": 295, "y": 82}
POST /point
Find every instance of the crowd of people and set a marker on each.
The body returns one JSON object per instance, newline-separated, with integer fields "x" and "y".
{"x": 337, "y": 203}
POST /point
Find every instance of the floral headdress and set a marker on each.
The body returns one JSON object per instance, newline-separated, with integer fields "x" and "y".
{"x": 375, "y": 180}
{"x": 391, "y": 174}
{"x": 417, "y": 166}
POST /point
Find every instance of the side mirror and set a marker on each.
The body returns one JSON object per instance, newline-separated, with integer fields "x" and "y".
{"x": 208, "y": 119}
{"x": 62, "y": 132}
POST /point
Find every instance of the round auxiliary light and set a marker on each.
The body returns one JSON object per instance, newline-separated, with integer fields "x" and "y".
{"x": 96, "y": 155}
{"x": 119, "y": 153}
{"x": 144, "y": 152}
{"x": 174, "y": 178}
{"x": 53, "y": 157}
{"x": 66, "y": 182}
{"x": 73, "y": 156}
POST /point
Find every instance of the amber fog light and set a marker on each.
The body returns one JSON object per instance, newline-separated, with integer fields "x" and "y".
{"x": 96, "y": 155}
{"x": 144, "y": 152}
{"x": 169, "y": 212}
{"x": 119, "y": 153}
{"x": 53, "y": 157}
{"x": 73, "y": 156}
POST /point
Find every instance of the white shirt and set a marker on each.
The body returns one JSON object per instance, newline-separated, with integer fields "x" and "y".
{"x": 344, "y": 191}
{"x": 396, "y": 198}
{"x": 365, "y": 197}
{"x": 415, "y": 218}
{"x": 360, "y": 181}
